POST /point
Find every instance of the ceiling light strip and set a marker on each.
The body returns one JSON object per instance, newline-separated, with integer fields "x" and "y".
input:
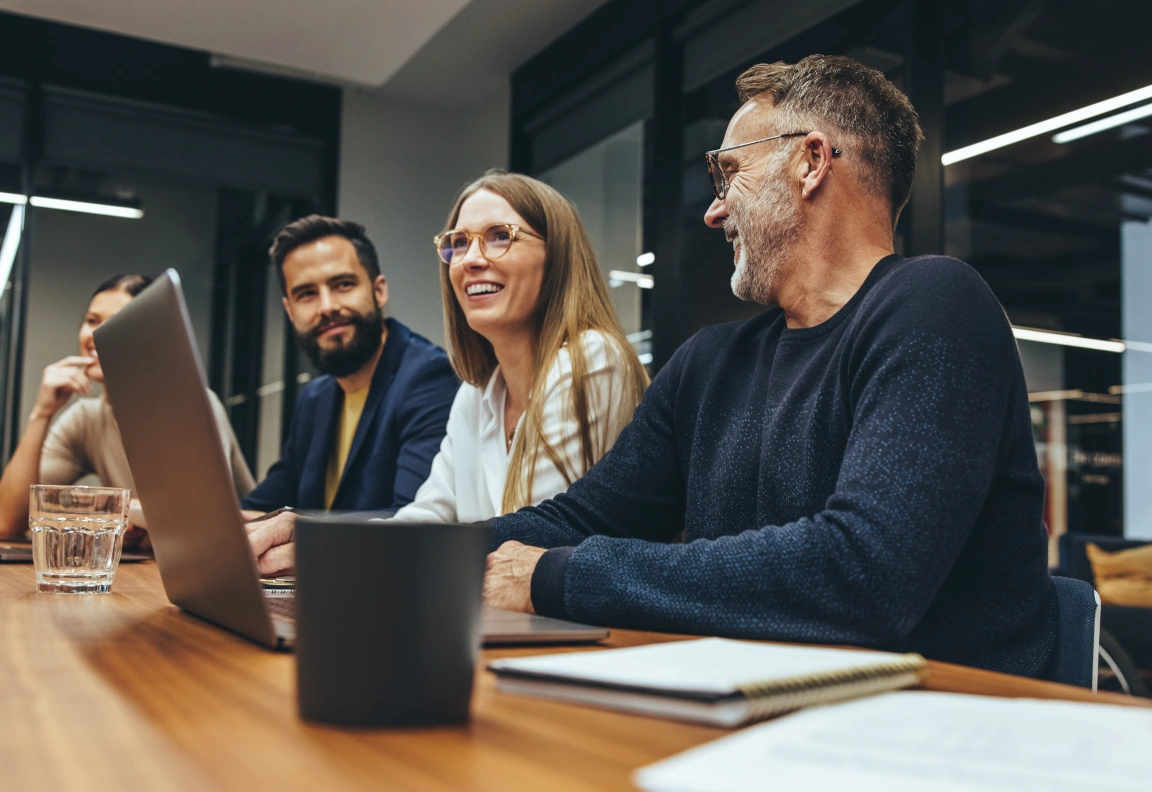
{"x": 1128, "y": 116}
{"x": 13, "y": 198}
{"x": 108, "y": 210}
{"x": 11, "y": 245}
{"x": 1064, "y": 339}
{"x": 1050, "y": 125}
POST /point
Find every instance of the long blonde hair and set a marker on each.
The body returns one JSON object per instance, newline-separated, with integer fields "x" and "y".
{"x": 573, "y": 299}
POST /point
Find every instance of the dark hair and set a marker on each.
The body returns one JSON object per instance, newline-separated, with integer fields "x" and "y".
{"x": 309, "y": 229}
{"x": 861, "y": 104}
{"x": 132, "y": 284}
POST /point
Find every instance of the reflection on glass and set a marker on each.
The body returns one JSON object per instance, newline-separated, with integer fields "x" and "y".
{"x": 1048, "y": 195}
{"x": 605, "y": 182}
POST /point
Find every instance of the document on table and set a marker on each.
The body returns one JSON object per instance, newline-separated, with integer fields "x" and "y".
{"x": 929, "y": 742}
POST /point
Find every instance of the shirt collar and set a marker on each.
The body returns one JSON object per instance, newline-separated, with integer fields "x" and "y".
{"x": 492, "y": 403}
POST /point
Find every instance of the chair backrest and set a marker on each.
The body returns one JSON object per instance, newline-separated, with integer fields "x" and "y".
{"x": 1078, "y": 633}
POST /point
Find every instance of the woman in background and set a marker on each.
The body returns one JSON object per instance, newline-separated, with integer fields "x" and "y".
{"x": 549, "y": 378}
{"x": 85, "y": 440}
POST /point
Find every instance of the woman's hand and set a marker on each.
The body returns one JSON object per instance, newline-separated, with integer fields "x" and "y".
{"x": 61, "y": 381}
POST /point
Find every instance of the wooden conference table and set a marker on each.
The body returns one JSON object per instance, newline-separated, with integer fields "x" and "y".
{"x": 123, "y": 691}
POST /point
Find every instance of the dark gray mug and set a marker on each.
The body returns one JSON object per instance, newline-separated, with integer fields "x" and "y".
{"x": 387, "y": 620}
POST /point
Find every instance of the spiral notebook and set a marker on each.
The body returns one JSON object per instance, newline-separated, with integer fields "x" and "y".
{"x": 714, "y": 681}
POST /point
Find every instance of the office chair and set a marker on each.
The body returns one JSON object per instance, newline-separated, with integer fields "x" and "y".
{"x": 1078, "y": 633}
{"x": 1125, "y": 632}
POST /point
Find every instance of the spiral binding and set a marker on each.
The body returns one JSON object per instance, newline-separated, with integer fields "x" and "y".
{"x": 766, "y": 699}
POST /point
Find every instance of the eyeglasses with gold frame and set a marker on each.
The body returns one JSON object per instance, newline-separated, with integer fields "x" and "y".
{"x": 495, "y": 240}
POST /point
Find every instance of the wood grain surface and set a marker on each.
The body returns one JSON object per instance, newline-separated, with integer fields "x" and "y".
{"x": 123, "y": 691}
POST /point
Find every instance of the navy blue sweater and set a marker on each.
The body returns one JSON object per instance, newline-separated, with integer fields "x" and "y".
{"x": 868, "y": 481}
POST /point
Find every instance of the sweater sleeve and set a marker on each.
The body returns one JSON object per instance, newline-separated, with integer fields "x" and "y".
{"x": 636, "y": 490}
{"x": 930, "y": 375}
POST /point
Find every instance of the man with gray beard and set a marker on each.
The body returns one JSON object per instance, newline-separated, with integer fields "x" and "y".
{"x": 853, "y": 466}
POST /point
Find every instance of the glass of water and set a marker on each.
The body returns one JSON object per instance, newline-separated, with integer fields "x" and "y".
{"x": 77, "y": 535}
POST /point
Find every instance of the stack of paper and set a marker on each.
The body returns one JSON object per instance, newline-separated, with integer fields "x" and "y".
{"x": 928, "y": 742}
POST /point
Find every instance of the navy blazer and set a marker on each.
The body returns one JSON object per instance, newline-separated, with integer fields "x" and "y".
{"x": 399, "y": 433}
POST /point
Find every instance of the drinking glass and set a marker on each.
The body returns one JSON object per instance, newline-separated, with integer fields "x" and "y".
{"x": 77, "y": 535}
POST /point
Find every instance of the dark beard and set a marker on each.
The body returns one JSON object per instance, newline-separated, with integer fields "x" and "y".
{"x": 348, "y": 358}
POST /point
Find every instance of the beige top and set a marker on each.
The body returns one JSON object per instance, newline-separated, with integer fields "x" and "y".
{"x": 85, "y": 439}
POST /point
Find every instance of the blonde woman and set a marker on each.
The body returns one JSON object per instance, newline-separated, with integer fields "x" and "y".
{"x": 549, "y": 378}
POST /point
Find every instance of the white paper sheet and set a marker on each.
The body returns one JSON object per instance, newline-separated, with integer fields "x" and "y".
{"x": 929, "y": 742}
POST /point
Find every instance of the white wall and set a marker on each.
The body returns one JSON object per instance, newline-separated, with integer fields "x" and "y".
{"x": 401, "y": 166}
{"x": 72, "y": 253}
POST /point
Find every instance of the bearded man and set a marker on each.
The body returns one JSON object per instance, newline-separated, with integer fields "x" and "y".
{"x": 853, "y": 466}
{"x": 364, "y": 434}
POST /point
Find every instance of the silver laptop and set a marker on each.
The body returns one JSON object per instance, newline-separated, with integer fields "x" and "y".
{"x": 156, "y": 385}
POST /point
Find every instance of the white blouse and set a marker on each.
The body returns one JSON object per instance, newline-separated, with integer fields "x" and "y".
{"x": 467, "y": 479}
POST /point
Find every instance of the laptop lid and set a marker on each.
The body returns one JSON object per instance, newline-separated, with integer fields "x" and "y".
{"x": 156, "y": 385}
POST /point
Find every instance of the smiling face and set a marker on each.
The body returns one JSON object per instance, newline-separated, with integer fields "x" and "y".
{"x": 103, "y": 307}
{"x": 333, "y": 305}
{"x": 497, "y": 295}
{"x": 760, "y": 212}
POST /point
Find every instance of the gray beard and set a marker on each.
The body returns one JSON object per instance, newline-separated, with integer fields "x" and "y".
{"x": 769, "y": 225}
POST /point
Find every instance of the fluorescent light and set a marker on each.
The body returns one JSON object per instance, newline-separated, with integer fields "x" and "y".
{"x": 639, "y": 278}
{"x": 1068, "y": 135}
{"x": 644, "y": 259}
{"x": 11, "y": 244}
{"x": 1066, "y": 339}
{"x": 1051, "y": 125}
{"x": 110, "y": 210}
{"x": 645, "y": 358}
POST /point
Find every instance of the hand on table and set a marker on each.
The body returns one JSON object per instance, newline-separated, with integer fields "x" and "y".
{"x": 273, "y": 544}
{"x": 508, "y": 576}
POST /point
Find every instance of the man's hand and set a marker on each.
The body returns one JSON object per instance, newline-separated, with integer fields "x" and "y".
{"x": 272, "y": 543}
{"x": 508, "y": 577}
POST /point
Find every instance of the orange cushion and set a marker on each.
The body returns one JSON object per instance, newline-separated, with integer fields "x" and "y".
{"x": 1123, "y": 578}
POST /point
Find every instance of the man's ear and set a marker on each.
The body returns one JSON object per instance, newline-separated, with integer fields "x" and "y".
{"x": 817, "y": 163}
{"x": 380, "y": 288}
{"x": 287, "y": 309}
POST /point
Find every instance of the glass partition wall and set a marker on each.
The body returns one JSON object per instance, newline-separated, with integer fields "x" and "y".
{"x": 1048, "y": 195}
{"x": 606, "y": 183}
{"x": 121, "y": 156}
{"x": 1037, "y": 171}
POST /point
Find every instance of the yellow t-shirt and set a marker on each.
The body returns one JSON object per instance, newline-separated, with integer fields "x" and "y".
{"x": 345, "y": 431}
